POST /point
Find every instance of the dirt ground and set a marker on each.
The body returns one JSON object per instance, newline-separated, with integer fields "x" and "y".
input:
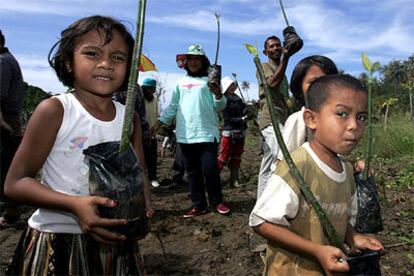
{"x": 213, "y": 244}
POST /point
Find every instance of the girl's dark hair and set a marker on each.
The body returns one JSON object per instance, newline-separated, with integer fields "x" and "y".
{"x": 320, "y": 90}
{"x": 301, "y": 69}
{"x": 62, "y": 51}
{"x": 203, "y": 72}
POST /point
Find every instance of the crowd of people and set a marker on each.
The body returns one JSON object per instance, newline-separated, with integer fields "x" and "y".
{"x": 93, "y": 58}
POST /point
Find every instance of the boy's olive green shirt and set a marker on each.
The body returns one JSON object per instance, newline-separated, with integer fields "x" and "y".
{"x": 279, "y": 102}
{"x": 336, "y": 200}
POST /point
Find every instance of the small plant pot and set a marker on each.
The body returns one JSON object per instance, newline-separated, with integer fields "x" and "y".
{"x": 365, "y": 263}
{"x": 214, "y": 74}
{"x": 292, "y": 42}
{"x": 120, "y": 178}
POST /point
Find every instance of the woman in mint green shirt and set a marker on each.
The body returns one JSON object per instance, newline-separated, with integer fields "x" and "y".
{"x": 194, "y": 105}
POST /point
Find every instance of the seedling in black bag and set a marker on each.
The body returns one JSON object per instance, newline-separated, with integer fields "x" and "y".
{"x": 291, "y": 41}
{"x": 114, "y": 169}
{"x": 368, "y": 219}
{"x": 214, "y": 70}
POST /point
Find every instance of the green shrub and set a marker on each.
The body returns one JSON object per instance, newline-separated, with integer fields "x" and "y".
{"x": 394, "y": 141}
{"x": 393, "y": 153}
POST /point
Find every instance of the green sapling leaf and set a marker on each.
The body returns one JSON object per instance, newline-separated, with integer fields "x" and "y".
{"x": 366, "y": 62}
{"x": 252, "y": 50}
{"x": 371, "y": 68}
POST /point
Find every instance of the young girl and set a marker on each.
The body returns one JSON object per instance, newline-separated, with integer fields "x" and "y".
{"x": 194, "y": 104}
{"x": 305, "y": 72}
{"x": 66, "y": 235}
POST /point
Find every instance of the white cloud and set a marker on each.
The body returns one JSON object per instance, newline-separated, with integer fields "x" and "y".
{"x": 168, "y": 80}
{"x": 37, "y": 71}
{"x": 338, "y": 29}
{"x": 43, "y": 78}
{"x": 61, "y": 7}
{"x": 327, "y": 27}
{"x": 206, "y": 21}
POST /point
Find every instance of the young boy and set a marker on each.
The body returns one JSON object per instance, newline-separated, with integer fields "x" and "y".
{"x": 336, "y": 109}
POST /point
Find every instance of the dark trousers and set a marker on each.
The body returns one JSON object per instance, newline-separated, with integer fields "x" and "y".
{"x": 200, "y": 162}
{"x": 178, "y": 169}
{"x": 150, "y": 153}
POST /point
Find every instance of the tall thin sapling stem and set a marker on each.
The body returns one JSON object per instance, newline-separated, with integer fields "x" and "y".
{"x": 133, "y": 78}
{"x": 371, "y": 68}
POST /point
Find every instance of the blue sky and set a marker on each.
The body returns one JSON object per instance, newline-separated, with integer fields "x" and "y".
{"x": 339, "y": 29}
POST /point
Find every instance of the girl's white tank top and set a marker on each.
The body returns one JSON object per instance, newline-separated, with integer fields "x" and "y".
{"x": 65, "y": 170}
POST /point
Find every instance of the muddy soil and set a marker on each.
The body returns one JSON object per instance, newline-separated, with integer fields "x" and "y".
{"x": 214, "y": 244}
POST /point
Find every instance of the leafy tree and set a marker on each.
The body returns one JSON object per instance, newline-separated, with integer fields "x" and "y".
{"x": 409, "y": 82}
{"x": 395, "y": 80}
{"x": 393, "y": 76}
{"x": 34, "y": 95}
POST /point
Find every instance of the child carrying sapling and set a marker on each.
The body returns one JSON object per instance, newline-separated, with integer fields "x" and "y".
{"x": 67, "y": 235}
{"x": 193, "y": 105}
{"x": 335, "y": 113}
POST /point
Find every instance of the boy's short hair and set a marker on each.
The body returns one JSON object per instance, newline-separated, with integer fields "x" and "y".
{"x": 62, "y": 51}
{"x": 273, "y": 37}
{"x": 327, "y": 66}
{"x": 320, "y": 90}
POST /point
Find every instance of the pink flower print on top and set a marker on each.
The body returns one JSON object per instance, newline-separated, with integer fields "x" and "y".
{"x": 77, "y": 143}
{"x": 190, "y": 85}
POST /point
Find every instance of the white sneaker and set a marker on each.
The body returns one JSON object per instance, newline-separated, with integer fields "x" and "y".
{"x": 155, "y": 184}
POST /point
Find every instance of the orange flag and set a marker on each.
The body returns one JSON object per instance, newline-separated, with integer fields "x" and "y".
{"x": 146, "y": 64}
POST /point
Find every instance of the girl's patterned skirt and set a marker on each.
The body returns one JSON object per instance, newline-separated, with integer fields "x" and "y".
{"x": 40, "y": 253}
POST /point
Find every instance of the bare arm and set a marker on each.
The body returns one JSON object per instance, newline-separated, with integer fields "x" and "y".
{"x": 327, "y": 256}
{"x": 36, "y": 145}
{"x": 276, "y": 79}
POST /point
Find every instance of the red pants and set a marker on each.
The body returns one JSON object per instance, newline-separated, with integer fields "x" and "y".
{"x": 229, "y": 153}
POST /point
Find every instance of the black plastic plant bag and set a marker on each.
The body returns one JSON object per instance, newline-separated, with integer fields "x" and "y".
{"x": 291, "y": 41}
{"x": 214, "y": 74}
{"x": 368, "y": 218}
{"x": 365, "y": 263}
{"x": 118, "y": 177}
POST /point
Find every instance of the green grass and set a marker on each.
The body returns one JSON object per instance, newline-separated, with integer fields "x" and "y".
{"x": 253, "y": 136}
{"x": 395, "y": 141}
{"x": 393, "y": 152}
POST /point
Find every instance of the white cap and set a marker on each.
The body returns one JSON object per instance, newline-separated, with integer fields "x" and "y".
{"x": 225, "y": 83}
